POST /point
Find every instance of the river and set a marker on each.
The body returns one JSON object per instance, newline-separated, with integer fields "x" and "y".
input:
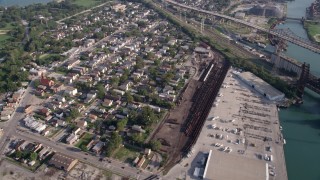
{"x": 301, "y": 125}
{"x": 7, "y": 3}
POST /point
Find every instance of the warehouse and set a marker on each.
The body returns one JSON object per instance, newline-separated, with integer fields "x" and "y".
{"x": 228, "y": 166}
{"x": 63, "y": 162}
{"x": 261, "y": 86}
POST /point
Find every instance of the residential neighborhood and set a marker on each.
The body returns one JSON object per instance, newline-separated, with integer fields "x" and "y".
{"x": 123, "y": 74}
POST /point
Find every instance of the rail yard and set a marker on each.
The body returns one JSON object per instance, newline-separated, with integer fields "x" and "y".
{"x": 239, "y": 127}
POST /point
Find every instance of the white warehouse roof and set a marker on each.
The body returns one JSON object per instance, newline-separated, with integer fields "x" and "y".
{"x": 261, "y": 86}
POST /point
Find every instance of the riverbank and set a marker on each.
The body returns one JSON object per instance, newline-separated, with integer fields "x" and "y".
{"x": 301, "y": 124}
{"x": 313, "y": 31}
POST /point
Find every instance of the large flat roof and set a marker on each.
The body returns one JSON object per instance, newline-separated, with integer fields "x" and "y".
{"x": 228, "y": 166}
{"x": 259, "y": 84}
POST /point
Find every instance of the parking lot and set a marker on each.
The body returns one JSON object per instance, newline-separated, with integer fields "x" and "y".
{"x": 242, "y": 123}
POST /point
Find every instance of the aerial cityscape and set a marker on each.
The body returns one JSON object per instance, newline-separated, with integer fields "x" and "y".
{"x": 159, "y": 89}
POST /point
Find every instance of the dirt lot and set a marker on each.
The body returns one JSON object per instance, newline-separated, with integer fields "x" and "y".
{"x": 170, "y": 134}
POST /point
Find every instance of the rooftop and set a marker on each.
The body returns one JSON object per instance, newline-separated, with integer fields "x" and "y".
{"x": 228, "y": 166}
{"x": 260, "y": 85}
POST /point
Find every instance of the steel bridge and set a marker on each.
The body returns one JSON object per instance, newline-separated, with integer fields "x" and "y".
{"x": 282, "y": 34}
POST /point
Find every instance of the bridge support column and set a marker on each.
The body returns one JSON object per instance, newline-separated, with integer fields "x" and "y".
{"x": 303, "y": 79}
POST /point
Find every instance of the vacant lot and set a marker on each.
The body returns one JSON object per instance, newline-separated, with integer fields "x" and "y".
{"x": 126, "y": 154}
{"x": 85, "y": 139}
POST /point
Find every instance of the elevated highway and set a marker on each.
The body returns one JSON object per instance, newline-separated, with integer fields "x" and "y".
{"x": 287, "y": 37}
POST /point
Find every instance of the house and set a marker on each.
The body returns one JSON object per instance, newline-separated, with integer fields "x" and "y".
{"x": 80, "y": 107}
{"x": 90, "y": 96}
{"x": 141, "y": 161}
{"x": 70, "y": 64}
{"x": 35, "y": 72}
{"x": 89, "y": 42}
{"x": 60, "y": 99}
{"x": 240, "y": 15}
{"x": 147, "y": 151}
{"x": 119, "y": 92}
{"x": 39, "y": 93}
{"x": 56, "y": 88}
{"x": 135, "y": 161}
{"x": 125, "y": 86}
{"x": 34, "y": 125}
{"x": 72, "y": 138}
{"x": 62, "y": 161}
{"x": 138, "y": 129}
{"x": 76, "y": 130}
{"x": 98, "y": 147}
{"x": 71, "y": 91}
{"x": 93, "y": 117}
{"x": 61, "y": 122}
{"x": 82, "y": 124}
{"x": 107, "y": 102}
{"x": 28, "y": 109}
{"x": 5, "y": 116}
{"x": 43, "y": 151}
{"x": 46, "y": 131}
{"x": 45, "y": 112}
{"x": 46, "y": 82}
{"x": 16, "y": 96}
{"x": 90, "y": 144}
{"x": 119, "y": 7}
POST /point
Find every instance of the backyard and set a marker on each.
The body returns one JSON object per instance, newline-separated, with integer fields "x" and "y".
{"x": 84, "y": 141}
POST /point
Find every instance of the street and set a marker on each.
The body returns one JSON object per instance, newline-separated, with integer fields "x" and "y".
{"x": 11, "y": 130}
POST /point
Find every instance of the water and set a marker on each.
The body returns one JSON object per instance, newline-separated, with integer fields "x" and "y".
{"x": 302, "y": 124}
{"x": 7, "y": 3}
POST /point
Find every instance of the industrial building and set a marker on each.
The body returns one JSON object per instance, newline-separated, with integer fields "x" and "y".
{"x": 261, "y": 86}
{"x": 63, "y": 162}
{"x": 228, "y": 166}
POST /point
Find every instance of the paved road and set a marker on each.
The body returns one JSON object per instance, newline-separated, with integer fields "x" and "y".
{"x": 10, "y": 126}
{"x": 114, "y": 166}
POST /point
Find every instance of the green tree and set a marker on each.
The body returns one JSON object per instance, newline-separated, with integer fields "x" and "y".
{"x": 114, "y": 143}
{"x": 18, "y": 154}
{"x": 155, "y": 145}
{"x": 114, "y": 81}
{"x": 101, "y": 91}
{"x": 74, "y": 113}
{"x": 33, "y": 156}
{"x": 121, "y": 124}
{"x": 129, "y": 98}
{"x": 83, "y": 147}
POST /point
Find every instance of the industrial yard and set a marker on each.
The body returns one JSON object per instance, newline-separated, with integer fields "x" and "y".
{"x": 241, "y": 128}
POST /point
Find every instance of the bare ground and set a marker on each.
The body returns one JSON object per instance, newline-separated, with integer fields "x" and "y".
{"x": 169, "y": 132}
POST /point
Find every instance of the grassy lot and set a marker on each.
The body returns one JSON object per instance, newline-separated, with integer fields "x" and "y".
{"x": 126, "y": 154}
{"x": 4, "y": 37}
{"x": 313, "y": 30}
{"x": 9, "y": 26}
{"x": 84, "y": 140}
{"x": 86, "y": 3}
